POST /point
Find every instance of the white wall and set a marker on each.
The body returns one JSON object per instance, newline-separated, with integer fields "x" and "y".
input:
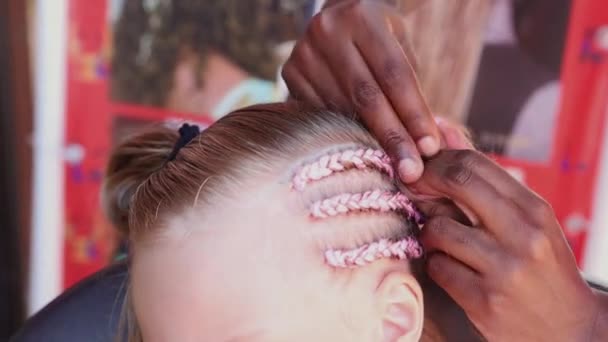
{"x": 595, "y": 261}
{"x": 46, "y": 260}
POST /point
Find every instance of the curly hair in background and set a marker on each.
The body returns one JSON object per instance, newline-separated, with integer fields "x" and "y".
{"x": 150, "y": 36}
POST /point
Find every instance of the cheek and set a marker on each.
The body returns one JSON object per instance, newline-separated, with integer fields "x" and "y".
{"x": 307, "y": 314}
{"x": 300, "y": 301}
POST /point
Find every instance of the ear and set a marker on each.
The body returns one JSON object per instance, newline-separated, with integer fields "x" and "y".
{"x": 399, "y": 300}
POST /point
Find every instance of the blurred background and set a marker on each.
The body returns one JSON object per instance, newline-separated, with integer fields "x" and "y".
{"x": 529, "y": 78}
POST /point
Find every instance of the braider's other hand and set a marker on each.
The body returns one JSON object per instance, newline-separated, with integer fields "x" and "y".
{"x": 353, "y": 58}
{"x": 512, "y": 272}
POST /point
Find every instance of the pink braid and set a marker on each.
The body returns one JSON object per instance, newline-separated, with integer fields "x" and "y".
{"x": 341, "y": 161}
{"x": 379, "y": 200}
{"x": 406, "y": 248}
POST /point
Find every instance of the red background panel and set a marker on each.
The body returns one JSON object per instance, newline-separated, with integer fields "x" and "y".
{"x": 567, "y": 181}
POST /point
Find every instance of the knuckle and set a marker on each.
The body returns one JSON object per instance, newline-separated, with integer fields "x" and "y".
{"x": 495, "y": 301}
{"x": 541, "y": 211}
{"x": 301, "y": 54}
{"x": 416, "y": 117}
{"x": 510, "y": 272}
{"x": 316, "y": 22}
{"x": 317, "y": 28}
{"x": 458, "y": 174}
{"x": 463, "y": 239}
{"x": 393, "y": 74}
{"x": 358, "y": 9}
{"x": 460, "y": 170}
{"x": 392, "y": 138}
{"x": 287, "y": 72}
{"x": 538, "y": 246}
{"x": 434, "y": 227}
{"x": 366, "y": 95}
{"x": 437, "y": 225}
{"x": 438, "y": 269}
{"x": 466, "y": 157}
{"x": 433, "y": 211}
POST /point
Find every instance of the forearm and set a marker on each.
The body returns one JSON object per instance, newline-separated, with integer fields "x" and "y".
{"x": 600, "y": 330}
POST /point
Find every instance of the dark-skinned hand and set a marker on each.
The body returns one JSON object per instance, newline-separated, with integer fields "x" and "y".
{"x": 353, "y": 58}
{"x": 512, "y": 271}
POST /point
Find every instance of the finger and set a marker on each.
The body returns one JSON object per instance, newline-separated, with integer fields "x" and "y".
{"x": 476, "y": 183}
{"x": 299, "y": 87}
{"x": 454, "y": 136}
{"x": 471, "y": 246}
{"x": 373, "y": 108}
{"x": 397, "y": 79}
{"x": 458, "y": 280}
{"x": 442, "y": 207}
{"x": 391, "y": 134}
{"x": 331, "y": 3}
{"x": 313, "y": 67}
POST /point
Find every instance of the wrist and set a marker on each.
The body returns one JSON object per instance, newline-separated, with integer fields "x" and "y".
{"x": 599, "y": 330}
{"x": 587, "y": 321}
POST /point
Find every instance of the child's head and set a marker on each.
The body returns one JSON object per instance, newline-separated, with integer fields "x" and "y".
{"x": 274, "y": 224}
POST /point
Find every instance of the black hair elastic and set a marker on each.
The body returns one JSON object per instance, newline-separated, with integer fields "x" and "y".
{"x": 186, "y": 134}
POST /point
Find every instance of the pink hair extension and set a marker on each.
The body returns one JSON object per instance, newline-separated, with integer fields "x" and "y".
{"x": 379, "y": 200}
{"x": 406, "y": 248}
{"x": 329, "y": 164}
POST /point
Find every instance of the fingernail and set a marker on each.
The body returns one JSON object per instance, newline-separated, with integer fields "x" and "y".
{"x": 410, "y": 170}
{"x": 428, "y": 146}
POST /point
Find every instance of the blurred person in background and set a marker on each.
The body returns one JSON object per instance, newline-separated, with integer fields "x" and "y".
{"x": 516, "y": 97}
{"x": 207, "y": 56}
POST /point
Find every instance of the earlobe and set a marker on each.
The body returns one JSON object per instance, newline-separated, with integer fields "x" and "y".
{"x": 400, "y": 299}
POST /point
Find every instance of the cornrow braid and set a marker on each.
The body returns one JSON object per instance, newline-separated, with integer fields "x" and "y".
{"x": 342, "y": 161}
{"x": 406, "y": 248}
{"x": 378, "y": 200}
